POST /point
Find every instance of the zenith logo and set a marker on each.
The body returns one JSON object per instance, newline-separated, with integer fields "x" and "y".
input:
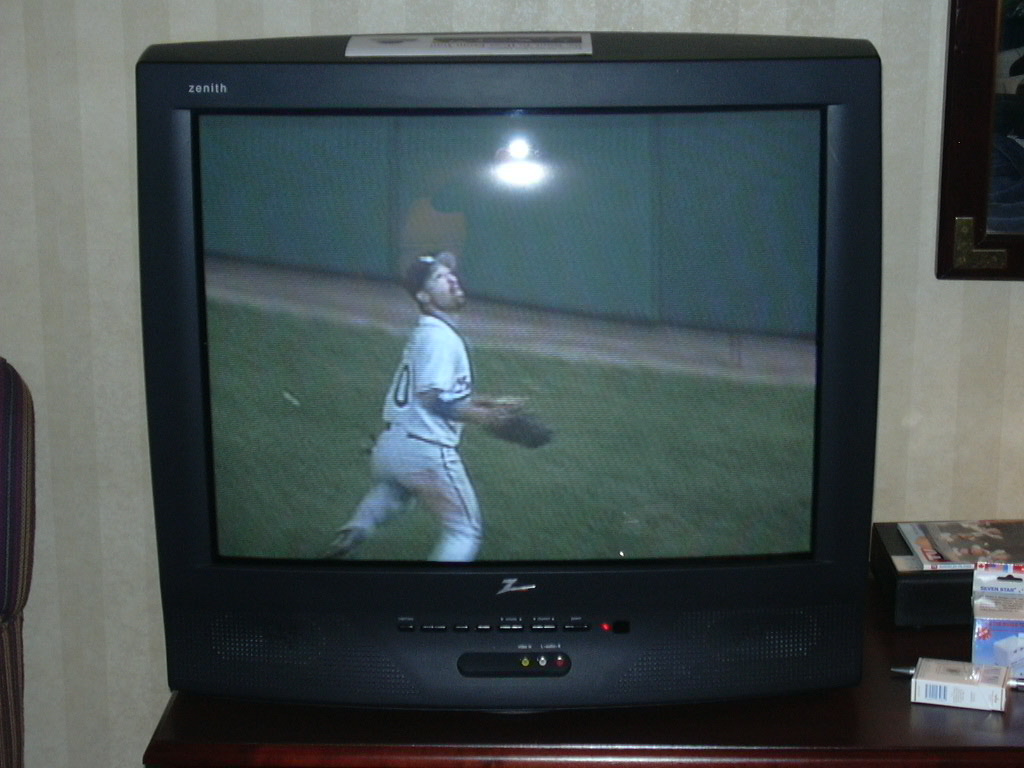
{"x": 512, "y": 585}
{"x": 207, "y": 88}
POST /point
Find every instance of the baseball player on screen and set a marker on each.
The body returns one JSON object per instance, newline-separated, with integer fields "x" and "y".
{"x": 428, "y": 403}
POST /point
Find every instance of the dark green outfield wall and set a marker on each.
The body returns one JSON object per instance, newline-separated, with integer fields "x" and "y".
{"x": 693, "y": 219}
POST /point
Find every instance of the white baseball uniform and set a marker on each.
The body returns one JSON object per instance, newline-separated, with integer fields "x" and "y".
{"x": 417, "y": 453}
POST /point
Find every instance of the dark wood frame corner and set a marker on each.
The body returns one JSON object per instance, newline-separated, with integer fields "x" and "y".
{"x": 966, "y": 250}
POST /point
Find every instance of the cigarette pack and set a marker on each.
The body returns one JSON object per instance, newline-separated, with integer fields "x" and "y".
{"x": 960, "y": 684}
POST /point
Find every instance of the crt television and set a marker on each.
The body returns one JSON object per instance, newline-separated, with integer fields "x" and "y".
{"x": 669, "y": 248}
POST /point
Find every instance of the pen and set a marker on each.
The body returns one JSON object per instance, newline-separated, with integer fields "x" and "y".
{"x": 1013, "y": 683}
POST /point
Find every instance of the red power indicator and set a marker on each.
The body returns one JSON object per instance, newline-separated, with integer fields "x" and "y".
{"x": 617, "y": 627}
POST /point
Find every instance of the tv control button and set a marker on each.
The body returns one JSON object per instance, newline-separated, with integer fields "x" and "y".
{"x": 577, "y": 626}
{"x": 434, "y": 628}
{"x": 406, "y": 625}
{"x": 528, "y": 664}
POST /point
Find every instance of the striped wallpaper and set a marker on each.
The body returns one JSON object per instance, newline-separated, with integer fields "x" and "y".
{"x": 951, "y": 438}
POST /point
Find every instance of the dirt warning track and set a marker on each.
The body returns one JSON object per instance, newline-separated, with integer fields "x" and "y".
{"x": 387, "y": 307}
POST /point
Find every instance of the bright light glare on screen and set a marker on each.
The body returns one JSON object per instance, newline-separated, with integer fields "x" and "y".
{"x": 516, "y": 165}
{"x": 519, "y": 149}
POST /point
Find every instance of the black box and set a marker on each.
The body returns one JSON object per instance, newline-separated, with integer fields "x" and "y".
{"x": 919, "y": 598}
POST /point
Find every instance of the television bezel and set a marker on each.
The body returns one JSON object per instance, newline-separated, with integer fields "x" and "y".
{"x": 625, "y": 71}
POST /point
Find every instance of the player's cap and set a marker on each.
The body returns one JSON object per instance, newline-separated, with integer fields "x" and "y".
{"x": 416, "y": 274}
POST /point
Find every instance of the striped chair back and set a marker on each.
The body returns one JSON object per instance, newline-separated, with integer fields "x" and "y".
{"x": 17, "y": 528}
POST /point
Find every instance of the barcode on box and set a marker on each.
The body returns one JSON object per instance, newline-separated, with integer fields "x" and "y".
{"x": 935, "y": 692}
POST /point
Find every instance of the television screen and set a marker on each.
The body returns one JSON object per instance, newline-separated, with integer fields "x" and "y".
{"x": 511, "y": 372}
{"x": 646, "y": 281}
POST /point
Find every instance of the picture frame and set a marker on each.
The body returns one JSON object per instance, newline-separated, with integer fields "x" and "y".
{"x": 969, "y": 246}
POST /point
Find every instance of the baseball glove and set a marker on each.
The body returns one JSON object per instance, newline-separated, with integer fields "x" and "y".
{"x": 522, "y": 428}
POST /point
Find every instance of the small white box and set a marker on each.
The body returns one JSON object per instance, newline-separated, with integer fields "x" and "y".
{"x": 960, "y": 684}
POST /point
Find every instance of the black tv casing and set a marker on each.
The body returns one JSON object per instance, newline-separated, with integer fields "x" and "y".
{"x": 677, "y": 631}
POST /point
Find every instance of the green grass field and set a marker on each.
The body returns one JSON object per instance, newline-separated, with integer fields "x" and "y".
{"x": 645, "y": 463}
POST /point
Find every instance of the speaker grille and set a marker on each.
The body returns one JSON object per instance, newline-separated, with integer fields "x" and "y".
{"x": 721, "y": 653}
{"x": 299, "y": 657}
